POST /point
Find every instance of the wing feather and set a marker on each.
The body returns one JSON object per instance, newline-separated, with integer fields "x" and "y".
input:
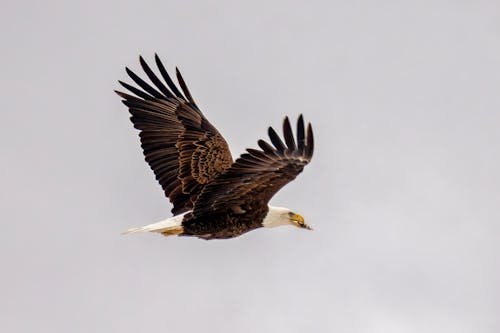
{"x": 310, "y": 142}
{"x": 275, "y": 139}
{"x": 134, "y": 90}
{"x": 167, "y": 78}
{"x": 288, "y": 134}
{"x": 267, "y": 148}
{"x": 301, "y": 143}
{"x": 184, "y": 87}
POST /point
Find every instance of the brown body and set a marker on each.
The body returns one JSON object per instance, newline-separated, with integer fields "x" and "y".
{"x": 220, "y": 226}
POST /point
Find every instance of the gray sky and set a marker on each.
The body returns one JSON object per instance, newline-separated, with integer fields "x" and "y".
{"x": 403, "y": 190}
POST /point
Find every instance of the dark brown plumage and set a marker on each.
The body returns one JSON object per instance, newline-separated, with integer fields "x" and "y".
{"x": 193, "y": 164}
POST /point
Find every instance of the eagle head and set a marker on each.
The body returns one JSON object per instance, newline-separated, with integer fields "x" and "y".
{"x": 278, "y": 216}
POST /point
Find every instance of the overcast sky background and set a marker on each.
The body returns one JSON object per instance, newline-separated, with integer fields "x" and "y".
{"x": 403, "y": 190}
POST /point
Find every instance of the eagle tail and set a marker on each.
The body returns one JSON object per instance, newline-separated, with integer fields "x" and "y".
{"x": 169, "y": 227}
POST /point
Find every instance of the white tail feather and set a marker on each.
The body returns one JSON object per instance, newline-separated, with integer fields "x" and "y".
{"x": 170, "y": 226}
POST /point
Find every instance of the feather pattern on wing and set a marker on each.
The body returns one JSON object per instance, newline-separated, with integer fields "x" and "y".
{"x": 180, "y": 145}
{"x": 258, "y": 174}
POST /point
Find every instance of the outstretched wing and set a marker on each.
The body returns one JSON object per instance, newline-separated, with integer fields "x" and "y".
{"x": 258, "y": 174}
{"x": 184, "y": 150}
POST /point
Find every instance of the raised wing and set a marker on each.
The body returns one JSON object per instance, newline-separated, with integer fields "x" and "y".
{"x": 183, "y": 149}
{"x": 258, "y": 174}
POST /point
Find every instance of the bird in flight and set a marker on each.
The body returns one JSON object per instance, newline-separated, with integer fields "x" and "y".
{"x": 213, "y": 196}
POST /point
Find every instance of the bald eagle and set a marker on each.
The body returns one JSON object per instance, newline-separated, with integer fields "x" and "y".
{"x": 213, "y": 196}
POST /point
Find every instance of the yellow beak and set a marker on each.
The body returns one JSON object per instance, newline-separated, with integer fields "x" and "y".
{"x": 298, "y": 220}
